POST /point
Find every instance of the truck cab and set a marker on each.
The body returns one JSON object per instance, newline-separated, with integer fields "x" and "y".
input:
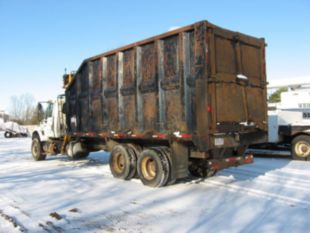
{"x": 49, "y": 134}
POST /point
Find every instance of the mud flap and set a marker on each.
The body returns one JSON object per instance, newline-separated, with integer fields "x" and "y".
{"x": 179, "y": 161}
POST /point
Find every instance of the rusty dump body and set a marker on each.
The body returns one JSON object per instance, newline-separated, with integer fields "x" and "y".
{"x": 200, "y": 88}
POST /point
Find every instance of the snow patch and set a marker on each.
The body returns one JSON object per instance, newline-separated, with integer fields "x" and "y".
{"x": 60, "y": 195}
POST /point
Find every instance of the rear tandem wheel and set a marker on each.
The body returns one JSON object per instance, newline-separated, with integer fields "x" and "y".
{"x": 153, "y": 168}
{"x": 123, "y": 162}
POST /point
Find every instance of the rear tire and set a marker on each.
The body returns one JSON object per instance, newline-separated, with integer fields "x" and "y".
{"x": 166, "y": 151}
{"x": 135, "y": 151}
{"x": 36, "y": 150}
{"x": 153, "y": 168}
{"x": 301, "y": 147}
{"x": 123, "y": 162}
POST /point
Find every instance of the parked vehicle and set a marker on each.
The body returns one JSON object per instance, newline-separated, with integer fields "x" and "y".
{"x": 289, "y": 122}
{"x": 13, "y": 129}
{"x": 191, "y": 99}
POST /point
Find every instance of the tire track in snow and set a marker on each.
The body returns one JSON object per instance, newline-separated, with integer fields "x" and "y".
{"x": 23, "y": 216}
{"x": 270, "y": 174}
{"x": 284, "y": 171}
{"x": 267, "y": 179}
{"x": 255, "y": 192}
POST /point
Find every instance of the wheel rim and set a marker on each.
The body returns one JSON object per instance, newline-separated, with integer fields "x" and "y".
{"x": 148, "y": 168}
{"x": 302, "y": 149}
{"x": 35, "y": 149}
{"x": 119, "y": 162}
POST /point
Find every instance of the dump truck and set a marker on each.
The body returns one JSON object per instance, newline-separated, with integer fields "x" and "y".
{"x": 188, "y": 101}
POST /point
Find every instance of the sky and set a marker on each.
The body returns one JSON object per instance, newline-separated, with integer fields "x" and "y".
{"x": 39, "y": 39}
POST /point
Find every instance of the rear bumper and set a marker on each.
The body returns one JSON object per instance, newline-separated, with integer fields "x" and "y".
{"x": 217, "y": 165}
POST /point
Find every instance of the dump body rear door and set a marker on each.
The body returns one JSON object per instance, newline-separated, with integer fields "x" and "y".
{"x": 238, "y": 86}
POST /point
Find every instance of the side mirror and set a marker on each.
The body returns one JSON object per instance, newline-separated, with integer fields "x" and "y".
{"x": 39, "y": 107}
{"x": 40, "y": 112}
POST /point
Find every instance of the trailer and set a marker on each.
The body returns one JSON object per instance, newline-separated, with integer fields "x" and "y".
{"x": 187, "y": 101}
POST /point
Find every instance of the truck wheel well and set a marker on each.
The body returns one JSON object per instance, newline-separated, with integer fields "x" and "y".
{"x": 35, "y": 134}
{"x": 299, "y": 134}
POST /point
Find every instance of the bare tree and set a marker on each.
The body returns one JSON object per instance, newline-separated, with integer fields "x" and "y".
{"x": 22, "y": 108}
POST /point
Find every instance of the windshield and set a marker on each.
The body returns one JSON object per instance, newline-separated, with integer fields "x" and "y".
{"x": 48, "y": 111}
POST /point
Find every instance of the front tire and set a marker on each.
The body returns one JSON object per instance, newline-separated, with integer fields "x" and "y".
{"x": 36, "y": 150}
{"x": 8, "y": 134}
{"x": 301, "y": 147}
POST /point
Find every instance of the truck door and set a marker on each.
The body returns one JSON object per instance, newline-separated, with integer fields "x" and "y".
{"x": 237, "y": 81}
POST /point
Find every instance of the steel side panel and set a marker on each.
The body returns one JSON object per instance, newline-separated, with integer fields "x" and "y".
{"x": 183, "y": 82}
{"x": 143, "y": 91}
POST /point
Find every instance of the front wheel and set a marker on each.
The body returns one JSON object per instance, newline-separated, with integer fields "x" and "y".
{"x": 301, "y": 147}
{"x": 36, "y": 150}
{"x": 8, "y": 134}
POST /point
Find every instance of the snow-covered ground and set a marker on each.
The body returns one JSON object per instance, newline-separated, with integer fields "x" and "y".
{"x": 58, "y": 195}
